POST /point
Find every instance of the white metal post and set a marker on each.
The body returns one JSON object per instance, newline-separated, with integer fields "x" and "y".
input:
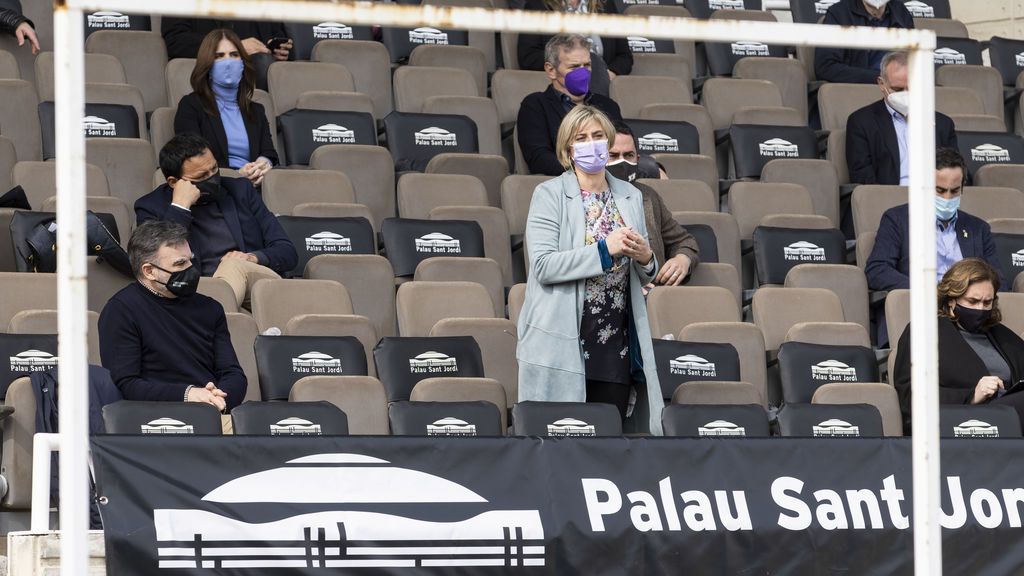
{"x": 72, "y": 304}
{"x": 924, "y": 344}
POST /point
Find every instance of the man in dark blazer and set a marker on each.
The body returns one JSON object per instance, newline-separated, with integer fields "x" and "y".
{"x": 857, "y": 66}
{"x": 232, "y": 233}
{"x": 876, "y": 135}
{"x": 541, "y": 113}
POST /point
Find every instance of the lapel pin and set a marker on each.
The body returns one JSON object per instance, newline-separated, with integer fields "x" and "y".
{"x": 965, "y": 233}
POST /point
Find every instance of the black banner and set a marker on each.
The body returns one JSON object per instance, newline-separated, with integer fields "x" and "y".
{"x": 405, "y": 505}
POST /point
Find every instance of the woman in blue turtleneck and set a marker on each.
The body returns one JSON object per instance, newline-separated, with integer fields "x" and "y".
{"x": 221, "y": 110}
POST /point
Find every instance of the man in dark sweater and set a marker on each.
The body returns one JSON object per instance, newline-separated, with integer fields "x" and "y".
{"x": 233, "y": 234}
{"x": 858, "y": 66}
{"x": 158, "y": 338}
{"x": 567, "y": 63}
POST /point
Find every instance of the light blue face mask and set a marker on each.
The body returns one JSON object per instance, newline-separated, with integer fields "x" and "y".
{"x": 946, "y": 209}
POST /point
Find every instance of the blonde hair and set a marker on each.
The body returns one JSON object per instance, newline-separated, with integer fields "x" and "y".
{"x": 572, "y": 124}
{"x": 959, "y": 278}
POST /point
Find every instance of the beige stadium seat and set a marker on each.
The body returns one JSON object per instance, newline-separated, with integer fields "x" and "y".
{"x": 672, "y": 65}
{"x": 491, "y": 169}
{"x": 684, "y": 195}
{"x": 831, "y": 333}
{"x": 178, "y": 76}
{"x": 39, "y": 180}
{"x": 329, "y": 100}
{"x": 787, "y": 74}
{"x": 946, "y": 27}
{"x": 144, "y": 57}
{"x": 749, "y": 202}
{"x": 801, "y": 221}
{"x": 724, "y": 96}
{"x": 695, "y": 114}
{"x": 263, "y": 98}
{"x": 768, "y": 116}
{"x": 516, "y": 298}
{"x": 481, "y": 111}
{"x": 836, "y": 154}
{"x": 9, "y": 69}
{"x": 462, "y": 390}
{"x": 671, "y": 308}
{"x": 492, "y": 221}
{"x": 897, "y": 314}
{"x": 8, "y": 158}
{"x": 689, "y": 167}
{"x": 497, "y": 340}
{"x": 361, "y": 398}
{"x": 19, "y": 117}
{"x": 1007, "y": 225}
{"x": 19, "y": 433}
{"x": 509, "y": 87}
{"x": 717, "y": 392}
{"x": 275, "y": 302}
{"x": 865, "y": 244}
{"x": 954, "y": 100}
{"x": 243, "y": 331}
{"x": 978, "y": 123}
{"x": 369, "y": 64}
{"x": 124, "y": 217}
{"x": 869, "y": 202}
{"x": 846, "y": 281}
{"x": 7, "y": 263}
{"x": 1011, "y": 304}
{"x": 984, "y": 81}
{"x": 1018, "y": 283}
{"x": 467, "y": 58}
{"x": 1000, "y": 175}
{"x": 989, "y": 203}
{"x": 371, "y": 171}
{"x": 483, "y": 271}
{"x": 221, "y": 291}
{"x": 102, "y": 68}
{"x": 337, "y": 325}
{"x": 776, "y": 310}
{"x": 748, "y": 341}
{"x": 717, "y": 274}
{"x": 836, "y": 101}
{"x": 418, "y": 194}
{"x": 285, "y": 189}
{"x": 414, "y": 84}
{"x": 369, "y": 280}
{"x": 104, "y": 282}
{"x": 881, "y": 396}
{"x": 509, "y": 50}
{"x": 516, "y": 194}
{"x": 161, "y": 128}
{"x": 333, "y": 210}
{"x": 632, "y": 93}
{"x": 727, "y": 233}
{"x": 22, "y": 291}
{"x": 129, "y": 164}
{"x": 287, "y": 80}
{"x": 817, "y": 176}
{"x": 45, "y": 322}
{"x": 420, "y": 305}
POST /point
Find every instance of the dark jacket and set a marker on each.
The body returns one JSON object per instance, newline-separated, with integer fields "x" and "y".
{"x": 10, "y": 19}
{"x": 102, "y": 391}
{"x": 192, "y": 117}
{"x": 184, "y": 35}
{"x": 616, "y": 55}
{"x": 960, "y": 367}
{"x": 253, "y": 227}
{"x": 872, "y": 150}
{"x": 540, "y": 115}
{"x": 846, "y": 64}
{"x": 666, "y": 236}
{"x": 888, "y": 267}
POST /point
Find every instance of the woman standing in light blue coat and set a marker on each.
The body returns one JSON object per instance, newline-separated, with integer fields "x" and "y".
{"x": 583, "y": 331}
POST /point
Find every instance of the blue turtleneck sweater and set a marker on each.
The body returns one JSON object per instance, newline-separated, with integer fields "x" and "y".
{"x": 234, "y": 125}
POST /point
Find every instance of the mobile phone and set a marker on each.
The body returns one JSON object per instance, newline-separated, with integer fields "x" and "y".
{"x": 275, "y": 43}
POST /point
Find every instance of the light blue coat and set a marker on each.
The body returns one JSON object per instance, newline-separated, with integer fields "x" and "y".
{"x": 551, "y": 366}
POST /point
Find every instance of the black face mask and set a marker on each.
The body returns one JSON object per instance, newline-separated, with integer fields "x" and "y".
{"x": 971, "y": 319}
{"x": 209, "y": 189}
{"x": 622, "y": 169}
{"x": 182, "y": 283}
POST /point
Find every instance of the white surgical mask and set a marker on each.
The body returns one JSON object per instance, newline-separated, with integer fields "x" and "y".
{"x": 899, "y": 101}
{"x": 877, "y": 4}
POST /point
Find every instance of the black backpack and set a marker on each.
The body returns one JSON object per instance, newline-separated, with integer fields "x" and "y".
{"x": 34, "y": 235}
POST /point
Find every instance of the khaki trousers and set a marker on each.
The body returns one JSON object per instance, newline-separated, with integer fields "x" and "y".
{"x": 241, "y": 275}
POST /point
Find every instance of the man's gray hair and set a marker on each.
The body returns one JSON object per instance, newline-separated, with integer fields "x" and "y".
{"x": 149, "y": 237}
{"x": 559, "y": 42}
{"x": 897, "y": 57}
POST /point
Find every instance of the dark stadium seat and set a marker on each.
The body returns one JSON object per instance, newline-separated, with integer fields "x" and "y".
{"x": 779, "y": 250}
{"x": 306, "y": 130}
{"x": 478, "y": 418}
{"x": 134, "y": 417}
{"x": 680, "y": 361}
{"x": 306, "y": 35}
{"x": 830, "y": 420}
{"x": 400, "y": 42}
{"x": 289, "y": 419}
{"x": 715, "y": 420}
{"x": 27, "y": 353}
{"x": 805, "y": 366}
{"x": 283, "y": 360}
{"x": 315, "y": 236}
{"x": 414, "y": 139}
{"x": 408, "y": 242}
{"x": 753, "y": 146}
{"x": 979, "y": 421}
{"x": 102, "y": 121}
{"x": 565, "y": 419}
{"x": 403, "y": 361}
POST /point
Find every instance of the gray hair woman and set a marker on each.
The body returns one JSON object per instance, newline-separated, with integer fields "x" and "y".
{"x": 583, "y": 331}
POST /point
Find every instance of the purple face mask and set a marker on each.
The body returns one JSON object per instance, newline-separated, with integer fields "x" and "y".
{"x": 577, "y": 81}
{"x": 590, "y": 157}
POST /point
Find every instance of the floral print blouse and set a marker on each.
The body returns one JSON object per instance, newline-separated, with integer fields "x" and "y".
{"x": 604, "y": 328}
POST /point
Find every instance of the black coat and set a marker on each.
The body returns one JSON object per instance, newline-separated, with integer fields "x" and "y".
{"x": 960, "y": 367}
{"x": 192, "y": 117}
{"x": 846, "y": 64}
{"x": 540, "y": 115}
{"x": 616, "y": 55}
{"x": 872, "y": 150}
{"x": 184, "y": 35}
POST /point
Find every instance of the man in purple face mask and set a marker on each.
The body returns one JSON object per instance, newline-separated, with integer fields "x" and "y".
{"x": 567, "y": 64}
